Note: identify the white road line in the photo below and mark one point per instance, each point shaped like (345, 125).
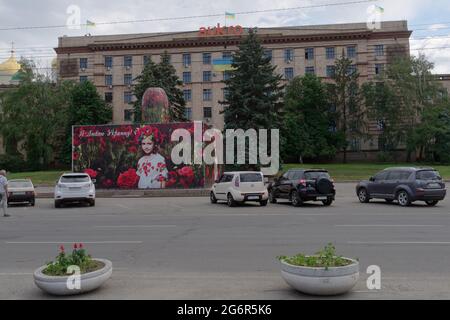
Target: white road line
(15, 274)
(399, 242)
(71, 242)
(387, 225)
(122, 206)
(142, 226)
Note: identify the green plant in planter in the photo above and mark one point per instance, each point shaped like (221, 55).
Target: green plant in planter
(325, 258)
(78, 257)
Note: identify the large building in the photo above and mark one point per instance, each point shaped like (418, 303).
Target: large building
(112, 62)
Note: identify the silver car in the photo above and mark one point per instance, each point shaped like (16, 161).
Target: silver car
(74, 187)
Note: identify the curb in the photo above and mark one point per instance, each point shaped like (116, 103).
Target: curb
(174, 193)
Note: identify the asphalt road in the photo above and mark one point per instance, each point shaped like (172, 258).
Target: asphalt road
(187, 248)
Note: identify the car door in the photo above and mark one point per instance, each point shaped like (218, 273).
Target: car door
(285, 184)
(394, 179)
(220, 188)
(376, 187)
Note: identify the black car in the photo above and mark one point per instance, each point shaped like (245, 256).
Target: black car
(301, 185)
(404, 185)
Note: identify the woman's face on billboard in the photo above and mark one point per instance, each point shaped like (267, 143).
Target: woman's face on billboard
(147, 145)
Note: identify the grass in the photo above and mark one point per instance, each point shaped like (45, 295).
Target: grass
(38, 177)
(360, 171)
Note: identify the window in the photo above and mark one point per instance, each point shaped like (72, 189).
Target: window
(207, 112)
(83, 78)
(331, 71)
(251, 177)
(289, 73)
(83, 63)
(398, 175)
(351, 52)
(108, 62)
(108, 97)
(128, 61)
(381, 176)
(310, 70)
(127, 97)
(379, 68)
(187, 95)
(381, 125)
(188, 113)
(207, 94)
(128, 114)
(379, 50)
(309, 53)
(315, 175)
(166, 58)
(207, 76)
(268, 54)
(352, 69)
(330, 53)
(186, 59)
(288, 55)
(226, 93)
(108, 80)
(187, 77)
(207, 58)
(332, 127)
(147, 59)
(428, 175)
(226, 75)
(227, 55)
(355, 145)
(127, 79)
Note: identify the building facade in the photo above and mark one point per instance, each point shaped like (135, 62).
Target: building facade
(112, 62)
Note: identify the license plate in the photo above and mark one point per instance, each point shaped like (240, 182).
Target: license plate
(253, 198)
(74, 188)
(321, 198)
(19, 193)
(434, 186)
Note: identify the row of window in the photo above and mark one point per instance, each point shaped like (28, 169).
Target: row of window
(330, 53)
(207, 113)
(330, 71)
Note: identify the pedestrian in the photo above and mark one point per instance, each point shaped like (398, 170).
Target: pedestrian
(3, 192)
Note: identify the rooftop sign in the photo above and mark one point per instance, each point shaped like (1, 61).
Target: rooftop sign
(221, 31)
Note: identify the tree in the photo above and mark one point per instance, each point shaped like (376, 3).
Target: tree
(307, 118)
(254, 93)
(85, 107)
(162, 75)
(346, 95)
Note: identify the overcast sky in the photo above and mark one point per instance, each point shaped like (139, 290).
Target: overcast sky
(428, 19)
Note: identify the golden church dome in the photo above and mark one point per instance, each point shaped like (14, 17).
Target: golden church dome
(10, 66)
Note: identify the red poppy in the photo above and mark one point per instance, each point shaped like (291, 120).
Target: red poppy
(75, 156)
(128, 179)
(75, 246)
(80, 246)
(132, 149)
(92, 173)
(108, 183)
(61, 248)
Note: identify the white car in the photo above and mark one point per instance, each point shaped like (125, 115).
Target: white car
(240, 187)
(74, 187)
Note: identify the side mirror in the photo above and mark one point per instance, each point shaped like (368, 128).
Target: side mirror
(372, 179)
(94, 181)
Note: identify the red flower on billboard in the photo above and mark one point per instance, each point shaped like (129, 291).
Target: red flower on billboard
(75, 156)
(108, 183)
(172, 180)
(148, 131)
(132, 149)
(186, 176)
(92, 173)
(128, 180)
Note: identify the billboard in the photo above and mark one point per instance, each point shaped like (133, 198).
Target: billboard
(135, 157)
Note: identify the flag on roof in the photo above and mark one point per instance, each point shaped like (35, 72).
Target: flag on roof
(229, 15)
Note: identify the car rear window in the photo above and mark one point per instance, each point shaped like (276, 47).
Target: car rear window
(20, 184)
(428, 175)
(251, 177)
(74, 179)
(315, 175)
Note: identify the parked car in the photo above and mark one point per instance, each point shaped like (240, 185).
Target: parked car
(404, 185)
(302, 185)
(21, 190)
(240, 187)
(75, 187)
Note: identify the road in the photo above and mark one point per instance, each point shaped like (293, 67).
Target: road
(187, 248)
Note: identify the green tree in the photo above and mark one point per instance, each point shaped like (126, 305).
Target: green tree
(254, 93)
(85, 107)
(162, 75)
(307, 120)
(346, 95)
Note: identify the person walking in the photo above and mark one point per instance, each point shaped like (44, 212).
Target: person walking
(3, 192)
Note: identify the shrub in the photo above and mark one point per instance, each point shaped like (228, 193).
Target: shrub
(14, 163)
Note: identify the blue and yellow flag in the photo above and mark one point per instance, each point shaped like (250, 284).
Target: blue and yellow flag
(229, 15)
(220, 65)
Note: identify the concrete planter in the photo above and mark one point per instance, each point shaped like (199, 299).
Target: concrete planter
(321, 282)
(58, 285)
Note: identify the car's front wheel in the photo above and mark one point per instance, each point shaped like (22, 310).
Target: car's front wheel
(403, 198)
(32, 202)
(272, 198)
(263, 203)
(212, 197)
(92, 203)
(57, 204)
(363, 196)
(295, 199)
(431, 203)
(327, 202)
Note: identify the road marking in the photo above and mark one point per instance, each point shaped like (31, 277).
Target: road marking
(387, 225)
(122, 206)
(399, 242)
(141, 226)
(71, 242)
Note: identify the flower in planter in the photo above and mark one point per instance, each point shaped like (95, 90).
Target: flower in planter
(78, 257)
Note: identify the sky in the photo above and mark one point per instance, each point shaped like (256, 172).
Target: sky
(429, 20)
